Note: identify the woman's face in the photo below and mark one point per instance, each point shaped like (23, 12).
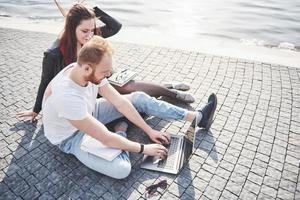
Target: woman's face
(85, 31)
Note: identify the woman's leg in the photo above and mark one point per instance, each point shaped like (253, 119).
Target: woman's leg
(155, 90)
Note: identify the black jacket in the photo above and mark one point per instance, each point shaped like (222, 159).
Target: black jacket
(53, 58)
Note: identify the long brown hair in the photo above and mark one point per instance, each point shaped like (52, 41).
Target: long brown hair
(68, 40)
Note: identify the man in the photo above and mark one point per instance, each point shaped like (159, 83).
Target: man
(71, 110)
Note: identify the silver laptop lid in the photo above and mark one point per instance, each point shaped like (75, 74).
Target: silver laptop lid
(192, 130)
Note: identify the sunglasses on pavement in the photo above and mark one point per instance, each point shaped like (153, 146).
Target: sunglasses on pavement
(153, 188)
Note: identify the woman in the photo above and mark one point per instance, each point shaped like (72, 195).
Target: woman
(80, 26)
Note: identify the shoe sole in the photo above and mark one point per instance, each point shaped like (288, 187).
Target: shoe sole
(208, 125)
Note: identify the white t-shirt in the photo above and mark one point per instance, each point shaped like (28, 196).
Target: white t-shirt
(65, 100)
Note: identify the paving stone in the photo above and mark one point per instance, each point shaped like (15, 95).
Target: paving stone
(4, 152)
(31, 180)
(227, 165)
(41, 173)
(3, 164)
(268, 191)
(241, 169)
(212, 193)
(3, 188)
(98, 189)
(252, 187)
(184, 182)
(246, 195)
(228, 195)
(275, 164)
(176, 189)
(31, 193)
(75, 192)
(63, 197)
(168, 196)
(274, 173)
(292, 160)
(255, 178)
(291, 168)
(248, 153)
(117, 189)
(131, 194)
(257, 169)
(46, 196)
(186, 196)
(204, 175)
(44, 185)
(8, 195)
(217, 182)
(139, 187)
(245, 161)
(222, 173)
(271, 182)
(284, 194)
(193, 192)
(262, 157)
(230, 158)
(262, 196)
(88, 195)
(194, 165)
(199, 184)
(288, 185)
(233, 187)
(209, 168)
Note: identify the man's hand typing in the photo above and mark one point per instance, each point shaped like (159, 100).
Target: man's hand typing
(155, 150)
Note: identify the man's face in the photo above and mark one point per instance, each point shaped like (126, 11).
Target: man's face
(85, 31)
(102, 70)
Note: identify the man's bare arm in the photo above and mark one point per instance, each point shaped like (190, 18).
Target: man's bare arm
(125, 107)
(97, 130)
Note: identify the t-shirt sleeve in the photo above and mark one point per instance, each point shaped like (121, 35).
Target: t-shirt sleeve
(72, 107)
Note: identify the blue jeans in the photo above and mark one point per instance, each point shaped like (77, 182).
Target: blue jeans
(105, 112)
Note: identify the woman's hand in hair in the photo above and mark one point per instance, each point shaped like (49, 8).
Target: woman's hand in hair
(60, 8)
(28, 115)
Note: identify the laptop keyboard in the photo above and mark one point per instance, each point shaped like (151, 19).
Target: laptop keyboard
(168, 163)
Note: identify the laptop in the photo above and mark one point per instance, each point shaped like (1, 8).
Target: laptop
(180, 149)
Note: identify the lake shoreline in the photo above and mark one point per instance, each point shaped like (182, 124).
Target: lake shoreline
(146, 37)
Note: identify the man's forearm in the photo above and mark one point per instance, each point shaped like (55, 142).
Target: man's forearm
(98, 131)
(119, 142)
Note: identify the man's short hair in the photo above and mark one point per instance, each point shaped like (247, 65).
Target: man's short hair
(92, 52)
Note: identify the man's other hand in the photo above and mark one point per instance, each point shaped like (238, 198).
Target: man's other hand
(160, 137)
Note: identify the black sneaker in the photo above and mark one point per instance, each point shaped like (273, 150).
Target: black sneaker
(208, 112)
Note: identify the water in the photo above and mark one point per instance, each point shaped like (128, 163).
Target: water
(269, 23)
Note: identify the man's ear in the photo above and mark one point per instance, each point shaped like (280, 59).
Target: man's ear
(87, 68)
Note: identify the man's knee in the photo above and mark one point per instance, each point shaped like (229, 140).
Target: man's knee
(139, 96)
(121, 170)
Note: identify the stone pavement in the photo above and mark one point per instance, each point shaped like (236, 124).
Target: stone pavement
(251, 152)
